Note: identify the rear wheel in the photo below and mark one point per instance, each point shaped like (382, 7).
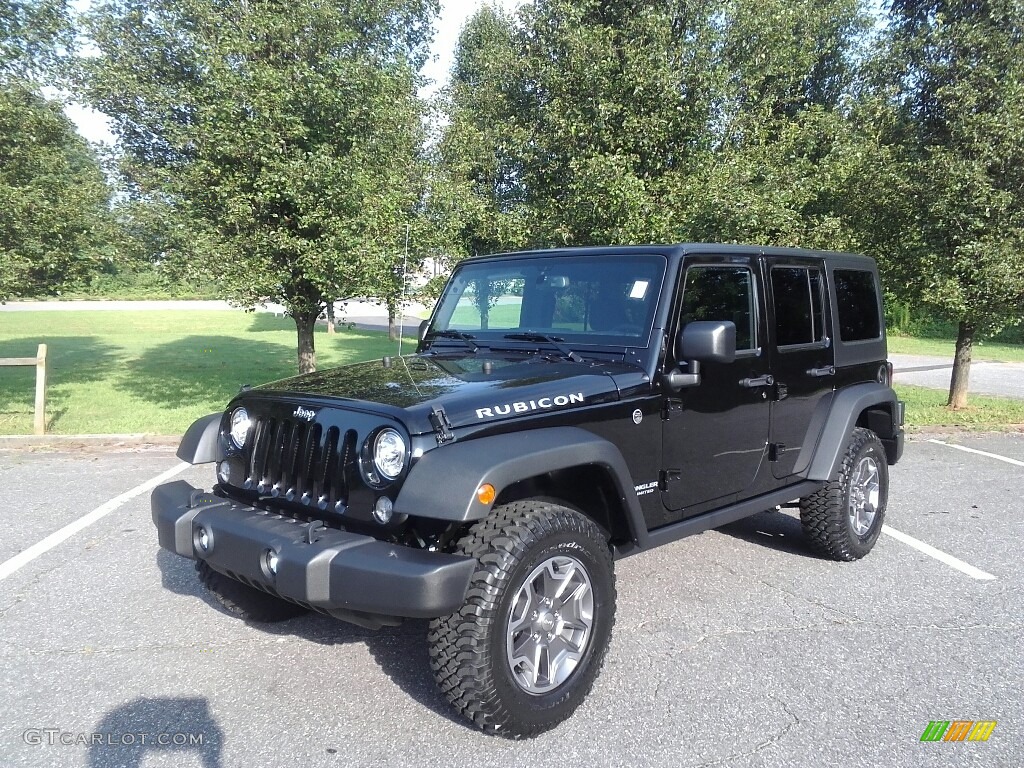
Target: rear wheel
(522, 653)
(244, 601)
(843, 519)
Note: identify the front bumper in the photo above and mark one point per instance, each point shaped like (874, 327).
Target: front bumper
(351, 576)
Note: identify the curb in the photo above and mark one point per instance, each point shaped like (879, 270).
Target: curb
(106, 441)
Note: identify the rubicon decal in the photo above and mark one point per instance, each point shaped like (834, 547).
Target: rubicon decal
(525, 406)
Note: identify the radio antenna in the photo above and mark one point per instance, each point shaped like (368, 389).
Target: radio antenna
(401, 308)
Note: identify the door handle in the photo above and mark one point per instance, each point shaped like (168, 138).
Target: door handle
(828, 370)
(760, 381)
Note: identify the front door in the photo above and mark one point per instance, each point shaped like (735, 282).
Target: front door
(715, 433)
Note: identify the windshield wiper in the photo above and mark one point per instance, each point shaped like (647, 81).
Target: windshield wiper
(552, 340)
(448, 334)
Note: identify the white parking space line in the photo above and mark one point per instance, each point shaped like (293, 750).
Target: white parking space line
(58, 537)
(942, 557)
(965, 449)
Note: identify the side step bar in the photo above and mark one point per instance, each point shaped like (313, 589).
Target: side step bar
(707, 521)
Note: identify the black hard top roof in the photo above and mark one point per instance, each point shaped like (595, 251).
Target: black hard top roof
(683, 249)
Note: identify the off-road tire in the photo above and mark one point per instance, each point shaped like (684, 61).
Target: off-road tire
(468, 648)
(243, 601)
(825, 514)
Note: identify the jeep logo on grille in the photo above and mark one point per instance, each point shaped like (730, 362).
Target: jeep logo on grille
(304, 413)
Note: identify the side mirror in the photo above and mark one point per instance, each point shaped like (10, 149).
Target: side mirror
(423, 329)
(701, 341)
(708, 341)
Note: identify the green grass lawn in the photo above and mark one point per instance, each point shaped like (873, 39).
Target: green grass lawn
(927, 408)
(985, 350)
(153, 372)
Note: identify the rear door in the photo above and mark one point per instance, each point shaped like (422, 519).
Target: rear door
(803, 358)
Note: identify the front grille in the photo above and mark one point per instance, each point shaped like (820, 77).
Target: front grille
(300, 462)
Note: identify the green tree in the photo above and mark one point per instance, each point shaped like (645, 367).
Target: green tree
(34, 37)
(946, 177)
(56, 226)
(619, 102)
(780, 149)
(596, 122)
(476, 202)
(288, 133)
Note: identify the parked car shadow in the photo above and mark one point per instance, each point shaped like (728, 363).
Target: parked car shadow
(178, 575)
(130, 732)
(400, 652)
(771, 529)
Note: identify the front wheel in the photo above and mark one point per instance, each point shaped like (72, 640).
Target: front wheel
(844, 518)
(523, 651)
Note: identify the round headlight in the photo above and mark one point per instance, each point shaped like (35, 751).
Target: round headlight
(239, 427)
(389, 454)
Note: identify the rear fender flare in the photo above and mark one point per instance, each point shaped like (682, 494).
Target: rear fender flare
(847, 407)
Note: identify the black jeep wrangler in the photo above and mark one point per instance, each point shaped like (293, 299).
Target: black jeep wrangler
(564, 408)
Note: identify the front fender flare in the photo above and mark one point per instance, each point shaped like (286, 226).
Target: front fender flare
(442, 485)
(201, 443)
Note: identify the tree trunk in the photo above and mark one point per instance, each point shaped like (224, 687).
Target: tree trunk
(305, 323)
(392, 325)
(330, 317)
(961, 367)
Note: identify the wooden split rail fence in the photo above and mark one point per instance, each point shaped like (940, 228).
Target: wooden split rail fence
(39, 361)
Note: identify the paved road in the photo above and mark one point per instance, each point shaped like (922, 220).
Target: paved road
(733, 648)
(986, 377)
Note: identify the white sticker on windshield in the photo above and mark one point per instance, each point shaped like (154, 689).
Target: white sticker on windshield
(639, 289)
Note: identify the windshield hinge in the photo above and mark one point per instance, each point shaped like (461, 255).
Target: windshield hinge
(442, 427)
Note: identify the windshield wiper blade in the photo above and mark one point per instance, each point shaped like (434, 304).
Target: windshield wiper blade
(552, 340)
(449, 334)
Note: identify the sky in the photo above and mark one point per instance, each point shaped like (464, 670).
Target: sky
(454, 13)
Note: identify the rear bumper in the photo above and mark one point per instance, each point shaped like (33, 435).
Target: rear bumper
(351, 576)
(894, 445)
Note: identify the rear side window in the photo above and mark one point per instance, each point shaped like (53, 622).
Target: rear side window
(721, 293)
(857, 305)
(796, 292)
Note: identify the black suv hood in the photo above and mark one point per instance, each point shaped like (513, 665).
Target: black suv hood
(473, 390)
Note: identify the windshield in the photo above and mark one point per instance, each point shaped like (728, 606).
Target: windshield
(598, 300)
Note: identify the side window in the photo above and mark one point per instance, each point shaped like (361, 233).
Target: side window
(796, 292)
(857, 304)
(722, 293)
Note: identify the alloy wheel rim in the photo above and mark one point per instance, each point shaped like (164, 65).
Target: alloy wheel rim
(550, 624)
(864, 495)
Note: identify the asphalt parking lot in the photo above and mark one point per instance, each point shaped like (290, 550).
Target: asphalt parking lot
(732, 648)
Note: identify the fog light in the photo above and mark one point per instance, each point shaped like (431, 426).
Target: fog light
(224, 472)
(270, 560)
(383, 510)
(204, 540)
